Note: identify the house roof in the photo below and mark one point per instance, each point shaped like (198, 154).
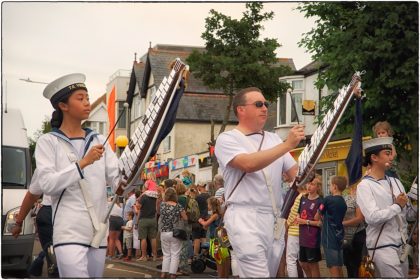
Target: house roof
(136, 78)
(98, 101)
(203, 108)
(311, 68)
(139, 72)
(287, 62)
(161, 56)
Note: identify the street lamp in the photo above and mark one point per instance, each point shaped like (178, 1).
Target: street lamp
(28, 80)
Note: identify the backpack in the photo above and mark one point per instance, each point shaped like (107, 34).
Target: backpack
(193, 212)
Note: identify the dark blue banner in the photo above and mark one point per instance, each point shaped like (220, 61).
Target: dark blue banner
(354, 158)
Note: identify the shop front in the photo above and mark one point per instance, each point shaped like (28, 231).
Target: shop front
(332, 161)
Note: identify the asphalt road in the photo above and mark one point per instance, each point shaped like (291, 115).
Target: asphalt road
(120, 269)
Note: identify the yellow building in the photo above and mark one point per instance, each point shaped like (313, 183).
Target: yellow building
(332, 161)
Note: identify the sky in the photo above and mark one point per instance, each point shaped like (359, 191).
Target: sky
(45, 40)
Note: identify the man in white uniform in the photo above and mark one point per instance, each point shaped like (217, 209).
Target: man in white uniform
(382, 201)
(250, 217)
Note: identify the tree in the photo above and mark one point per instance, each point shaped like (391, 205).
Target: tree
(45, 128)
(381, 38)
(235, 57)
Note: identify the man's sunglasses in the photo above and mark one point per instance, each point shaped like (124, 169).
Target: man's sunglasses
(258, 104)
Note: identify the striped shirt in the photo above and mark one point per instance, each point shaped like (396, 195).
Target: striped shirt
(293, 227)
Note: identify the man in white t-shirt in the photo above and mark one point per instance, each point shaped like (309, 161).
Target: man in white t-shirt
(250, 217)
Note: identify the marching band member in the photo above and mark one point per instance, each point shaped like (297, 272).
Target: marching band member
(60, 168)
(250, 219)
(43, 221)
(382, 201)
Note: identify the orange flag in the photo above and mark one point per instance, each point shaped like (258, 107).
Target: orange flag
(111, 116)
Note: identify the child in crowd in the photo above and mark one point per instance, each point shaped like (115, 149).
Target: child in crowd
(128, 235)
(150, 183)
(384, 129)
(187, 178)
(309, 232)
(333, 211)
(292, 247)
(218, 253)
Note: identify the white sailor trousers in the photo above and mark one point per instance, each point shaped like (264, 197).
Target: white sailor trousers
(77, 261)
(387, 263)
(251, 234)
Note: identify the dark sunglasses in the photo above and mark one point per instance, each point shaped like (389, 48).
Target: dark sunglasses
(259, 104)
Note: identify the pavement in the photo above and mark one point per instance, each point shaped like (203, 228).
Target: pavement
(208, 273)
(152, 267)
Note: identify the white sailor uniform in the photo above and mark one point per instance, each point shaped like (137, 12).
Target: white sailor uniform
(59, 177)
(249, 217)
(376, 203)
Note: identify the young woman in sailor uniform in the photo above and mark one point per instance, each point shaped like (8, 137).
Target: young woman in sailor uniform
(65, 156)
(383, 203)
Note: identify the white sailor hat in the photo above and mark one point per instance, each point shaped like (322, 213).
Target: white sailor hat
(377, 144)
(61, 87)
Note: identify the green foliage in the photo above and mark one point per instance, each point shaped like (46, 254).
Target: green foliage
(236, 57)
(381, 38)
(45, 128)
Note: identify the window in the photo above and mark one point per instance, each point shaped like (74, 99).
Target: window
(297, 84)
(326, 170)
(136, 109)
(287, 115)
(282, 109)
(122, 122)
(13, 167)
(167, 144)
(297, 100)
(101, 128)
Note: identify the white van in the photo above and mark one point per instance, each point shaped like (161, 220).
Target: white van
(15, 179)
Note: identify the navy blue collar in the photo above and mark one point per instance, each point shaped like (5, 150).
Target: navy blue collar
(86, 129)
(89, 136)
(371, 178)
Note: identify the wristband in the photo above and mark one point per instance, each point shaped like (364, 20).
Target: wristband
(307, 222)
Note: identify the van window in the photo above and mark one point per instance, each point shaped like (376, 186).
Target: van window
(13, 167)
